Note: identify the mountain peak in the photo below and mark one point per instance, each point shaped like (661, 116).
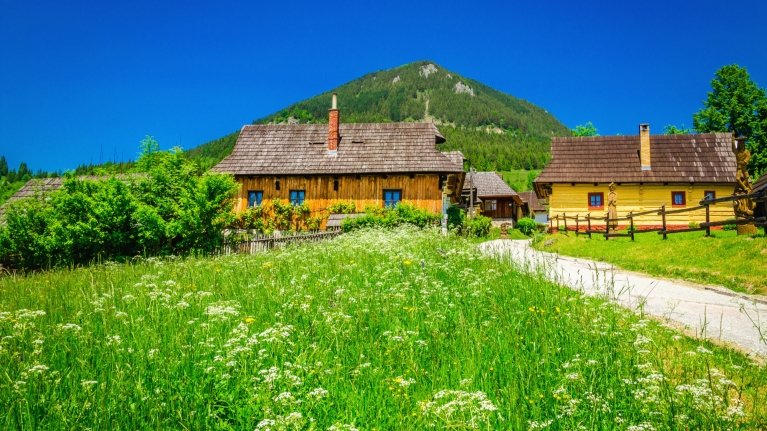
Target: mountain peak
(424, 91)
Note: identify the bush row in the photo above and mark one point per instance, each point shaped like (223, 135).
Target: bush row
(168, 209)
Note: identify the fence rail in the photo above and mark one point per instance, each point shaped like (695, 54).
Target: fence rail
(760, 196)
(254, 243)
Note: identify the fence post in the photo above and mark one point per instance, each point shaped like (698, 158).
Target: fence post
(551, 230)
(631, 218)
(577, 225)
(708, 228)
(588, 221)
(564, 217)
(663, 212)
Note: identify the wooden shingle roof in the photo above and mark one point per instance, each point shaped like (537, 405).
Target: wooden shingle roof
(532, 201)
(760, 183)
(456, 157)
(301, 149)
(674, 158)
(489, 185)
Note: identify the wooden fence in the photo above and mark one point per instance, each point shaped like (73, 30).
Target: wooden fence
(759, 197)
(260, 242)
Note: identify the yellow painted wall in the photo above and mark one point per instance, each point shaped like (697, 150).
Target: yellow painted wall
(566, 198)
(421, 190)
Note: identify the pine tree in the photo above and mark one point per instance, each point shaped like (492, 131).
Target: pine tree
(3, 167)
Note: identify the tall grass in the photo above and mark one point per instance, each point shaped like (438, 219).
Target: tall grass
(374, 330)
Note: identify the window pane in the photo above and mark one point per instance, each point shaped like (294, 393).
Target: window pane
(259, 198)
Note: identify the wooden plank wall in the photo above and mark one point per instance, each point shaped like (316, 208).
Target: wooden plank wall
(506, 208)
(422, 190)
(634, 197)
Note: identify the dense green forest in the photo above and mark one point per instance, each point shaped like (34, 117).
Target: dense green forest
(494, 130)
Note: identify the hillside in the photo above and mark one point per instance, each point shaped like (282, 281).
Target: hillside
(494, 130)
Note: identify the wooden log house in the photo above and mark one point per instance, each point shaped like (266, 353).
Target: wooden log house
(650, 171)
(377, 164)
(496, 199)
(533, 207)
(759, 185)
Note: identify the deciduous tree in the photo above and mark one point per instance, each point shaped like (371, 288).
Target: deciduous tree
(587, 129)
(736, 104)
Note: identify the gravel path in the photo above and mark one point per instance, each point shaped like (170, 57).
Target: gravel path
(715, 313)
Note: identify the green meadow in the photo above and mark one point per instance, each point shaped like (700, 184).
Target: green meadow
(374, 330)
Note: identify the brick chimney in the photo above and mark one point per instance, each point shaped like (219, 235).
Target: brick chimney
(644, 146)
(333, 126)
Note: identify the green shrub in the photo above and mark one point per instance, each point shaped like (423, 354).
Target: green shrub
(168, 210)
(342, 207)
(403, 213)
(693, 225)
(455, 217)
(526, 225)
(478, 226)
(729, 227)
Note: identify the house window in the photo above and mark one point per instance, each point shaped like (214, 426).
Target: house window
(255, 197)
(297, 197)
(709, 194)
(678, 199)
(491, 205)
(596, 201)
(392, 198)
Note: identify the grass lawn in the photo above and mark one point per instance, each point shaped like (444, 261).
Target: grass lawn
(723, 259)
(373, 330)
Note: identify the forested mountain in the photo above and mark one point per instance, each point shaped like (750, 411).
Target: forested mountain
(495, 130)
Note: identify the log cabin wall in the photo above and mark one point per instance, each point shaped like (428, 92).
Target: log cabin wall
(574, 199)
(422, 190)
(505, 208)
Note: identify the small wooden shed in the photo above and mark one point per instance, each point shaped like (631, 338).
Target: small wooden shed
(498, 201)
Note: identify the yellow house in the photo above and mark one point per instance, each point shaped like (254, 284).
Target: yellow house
(650, 171)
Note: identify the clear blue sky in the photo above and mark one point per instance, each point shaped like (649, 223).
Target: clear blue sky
(82, 79)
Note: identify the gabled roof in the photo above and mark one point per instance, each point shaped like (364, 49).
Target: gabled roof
(456, 157)
(760, 183)
(301, 149)
(532, 201)
(489, 185)
(704, 158)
